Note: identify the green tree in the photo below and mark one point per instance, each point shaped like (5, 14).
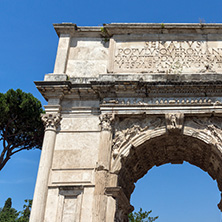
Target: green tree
(7, 213)
(21, 127)
(25, 214)
(141, 216)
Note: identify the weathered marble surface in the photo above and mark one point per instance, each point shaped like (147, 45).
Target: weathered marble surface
(87, 57)
(143, 48)
(121, 100)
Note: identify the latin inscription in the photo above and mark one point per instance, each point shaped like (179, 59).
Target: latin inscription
(168, 57)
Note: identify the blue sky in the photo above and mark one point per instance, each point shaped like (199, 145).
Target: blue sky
(28, 42)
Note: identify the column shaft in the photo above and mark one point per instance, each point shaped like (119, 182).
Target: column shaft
(41, 188)
(104, 157)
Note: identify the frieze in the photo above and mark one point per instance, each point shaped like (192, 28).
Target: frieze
(170, 57)
(162, 101)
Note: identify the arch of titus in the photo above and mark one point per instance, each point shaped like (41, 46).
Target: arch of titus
(122, 99)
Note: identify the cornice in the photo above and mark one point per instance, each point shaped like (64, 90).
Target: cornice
(77, 31)
(163, 28)
(117, 85)
(53, 89)
(137, 28)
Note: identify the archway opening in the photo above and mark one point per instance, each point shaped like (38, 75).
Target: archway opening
(175, 148)
(178, 192)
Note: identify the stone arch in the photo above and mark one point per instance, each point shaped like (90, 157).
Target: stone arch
(162, 111)
(154, 143)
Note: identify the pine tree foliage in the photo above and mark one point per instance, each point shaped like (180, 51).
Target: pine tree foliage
(141, 216)
(25, 214)
(21, 127)
(7, 213)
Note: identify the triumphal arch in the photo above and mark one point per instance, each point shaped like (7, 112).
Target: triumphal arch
(122, 99)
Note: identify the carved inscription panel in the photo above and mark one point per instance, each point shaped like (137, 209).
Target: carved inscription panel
(170, 57)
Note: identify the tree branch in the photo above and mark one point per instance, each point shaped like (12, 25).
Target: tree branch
(10, 121)
(23, 148)
(17, 145)
(5, 148)
(4, 161)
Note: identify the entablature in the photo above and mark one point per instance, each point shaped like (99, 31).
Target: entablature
(151, 94)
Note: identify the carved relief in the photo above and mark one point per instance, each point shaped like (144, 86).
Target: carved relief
(213, 126)
(174, 121)
(51, 120)
(106, 121)
(128, 128)
(163, 101)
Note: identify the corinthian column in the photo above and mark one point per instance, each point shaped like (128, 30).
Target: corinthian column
(104, 157)
(51, 121)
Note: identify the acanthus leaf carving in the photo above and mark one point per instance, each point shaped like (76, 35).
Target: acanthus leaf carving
(51, 120)
(106, 121)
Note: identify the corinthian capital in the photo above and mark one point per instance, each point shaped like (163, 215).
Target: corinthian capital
(106, 121)
(51, 120)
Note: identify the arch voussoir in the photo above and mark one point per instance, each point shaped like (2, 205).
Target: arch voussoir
(198, 143)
